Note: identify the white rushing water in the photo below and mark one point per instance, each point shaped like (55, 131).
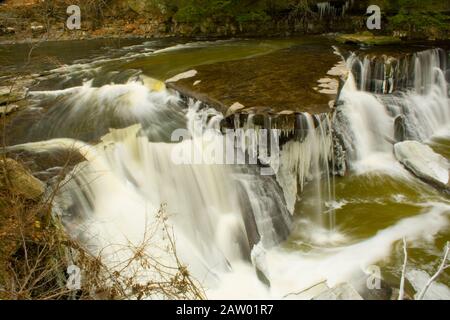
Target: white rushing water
(229, 220)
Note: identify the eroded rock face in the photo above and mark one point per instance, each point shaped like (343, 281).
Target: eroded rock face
(19, 181)
(423, 162)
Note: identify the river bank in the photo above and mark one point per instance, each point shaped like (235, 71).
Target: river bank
(33, 21)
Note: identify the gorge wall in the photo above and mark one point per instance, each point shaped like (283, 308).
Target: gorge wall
(155, 18)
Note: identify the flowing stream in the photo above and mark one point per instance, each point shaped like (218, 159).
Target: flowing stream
(302, 225)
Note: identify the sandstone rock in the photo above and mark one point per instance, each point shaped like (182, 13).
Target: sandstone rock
(20, 181)
(423, 162)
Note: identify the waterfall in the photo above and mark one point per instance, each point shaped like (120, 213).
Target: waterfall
(218, 212)
(387, 100)
(307, 159)
(306, 155)
(386, 74)
(328, 9)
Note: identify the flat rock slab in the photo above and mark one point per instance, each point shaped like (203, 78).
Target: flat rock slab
(423, 162)
(368, 39)
(282, 80)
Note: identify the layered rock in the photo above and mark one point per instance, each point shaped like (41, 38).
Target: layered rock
(424, 163)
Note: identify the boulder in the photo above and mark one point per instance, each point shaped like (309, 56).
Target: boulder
(368, 39)
(19, 181)
(424, 163)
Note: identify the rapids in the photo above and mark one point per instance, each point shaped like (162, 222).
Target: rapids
(300, 226)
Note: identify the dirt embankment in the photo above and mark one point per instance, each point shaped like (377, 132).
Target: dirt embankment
(32, 20)
(22, 20)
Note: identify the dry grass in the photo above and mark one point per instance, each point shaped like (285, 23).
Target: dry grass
(35, 253)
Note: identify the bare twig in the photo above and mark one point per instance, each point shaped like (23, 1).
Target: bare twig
(402, 281)
(441, 268)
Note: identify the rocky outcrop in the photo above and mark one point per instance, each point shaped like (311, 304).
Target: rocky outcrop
(367, 38)
(16, 179)
(424, 163)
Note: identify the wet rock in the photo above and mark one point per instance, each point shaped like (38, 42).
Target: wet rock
(424, 163)
(19, 181)
(401, 129)
(367, 38)
(419, 279)
(186, 93)
(269, 80)
(235, 107)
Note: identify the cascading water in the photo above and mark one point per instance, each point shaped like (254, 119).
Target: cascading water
(414, 106)
(387, 74)
(219, 212)
(307, 159)
(229, 220)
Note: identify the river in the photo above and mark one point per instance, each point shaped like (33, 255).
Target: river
(242, 233)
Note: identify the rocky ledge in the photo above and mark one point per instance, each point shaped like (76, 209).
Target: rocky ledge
(424, 163)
